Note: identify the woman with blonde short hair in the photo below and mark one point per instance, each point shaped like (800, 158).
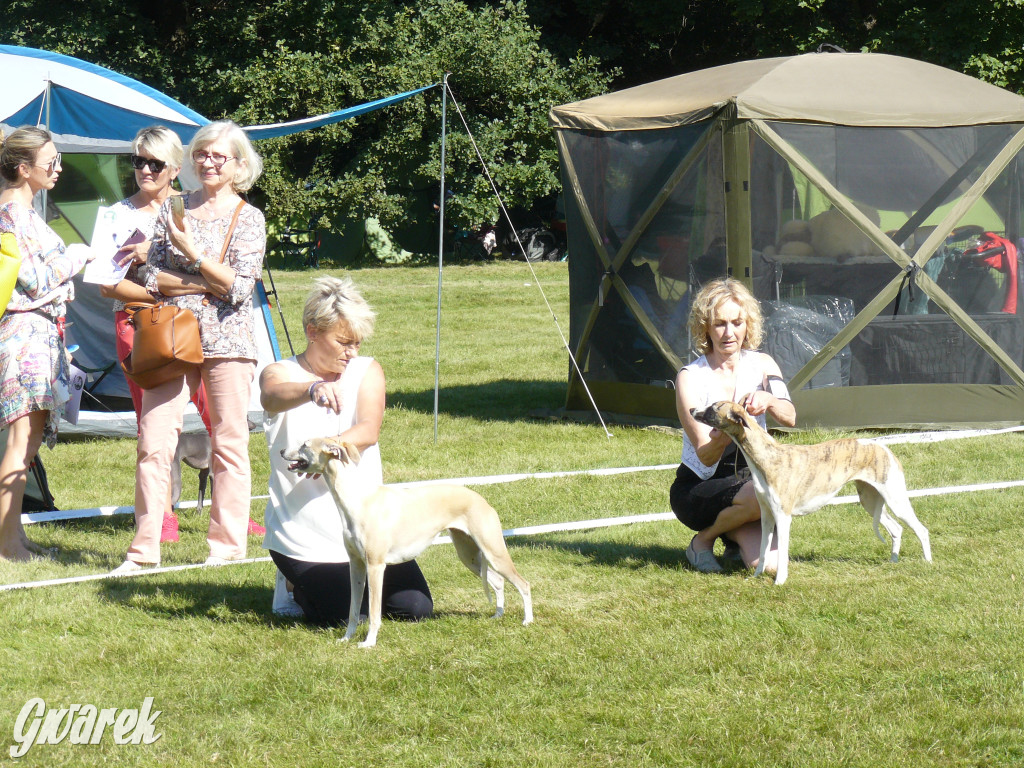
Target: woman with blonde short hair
(328, 390)
(713, 493)
(208, 262)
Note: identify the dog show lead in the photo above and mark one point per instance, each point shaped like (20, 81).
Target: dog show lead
(328, 390)
(713, 493)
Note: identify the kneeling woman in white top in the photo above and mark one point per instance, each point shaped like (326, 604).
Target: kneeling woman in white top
(328, 391)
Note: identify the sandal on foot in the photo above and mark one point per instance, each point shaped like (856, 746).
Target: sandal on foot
(704, 562)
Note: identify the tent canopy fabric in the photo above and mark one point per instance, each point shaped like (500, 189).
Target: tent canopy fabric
(855, 89)
(92, 109)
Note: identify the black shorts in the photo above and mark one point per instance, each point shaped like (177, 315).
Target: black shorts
(697, 502)
(324, 590)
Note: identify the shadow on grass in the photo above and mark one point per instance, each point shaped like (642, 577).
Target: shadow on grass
(504, 400)
(635, 557)
(631, 556)
(177, 599)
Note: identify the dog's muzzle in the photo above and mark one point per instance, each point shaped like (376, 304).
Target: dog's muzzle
(295, 465)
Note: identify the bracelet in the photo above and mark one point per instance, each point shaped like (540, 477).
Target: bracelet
(311, 388)
(197, 264)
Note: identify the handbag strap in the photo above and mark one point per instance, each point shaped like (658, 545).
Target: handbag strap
(231, 231)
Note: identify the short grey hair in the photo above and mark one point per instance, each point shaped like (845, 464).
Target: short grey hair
(250, 166)
(333, 299)
(162, 143)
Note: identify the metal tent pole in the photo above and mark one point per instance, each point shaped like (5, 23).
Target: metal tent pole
(440, 250)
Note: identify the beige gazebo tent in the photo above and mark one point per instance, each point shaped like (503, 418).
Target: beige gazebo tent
(872, 202)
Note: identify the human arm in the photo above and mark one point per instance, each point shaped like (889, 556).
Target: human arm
(126, 291)
(216, 278)
(46, 266)
(233, 278)
(369, 410)
(766, 401)
(709, 443)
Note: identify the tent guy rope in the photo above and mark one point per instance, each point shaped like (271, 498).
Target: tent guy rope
(504, 211)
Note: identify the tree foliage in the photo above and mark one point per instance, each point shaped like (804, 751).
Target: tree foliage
(510, 62)
(287, 59)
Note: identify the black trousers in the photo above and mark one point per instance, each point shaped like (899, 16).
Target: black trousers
(324, 590)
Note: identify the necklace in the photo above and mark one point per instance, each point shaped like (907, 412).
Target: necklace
(304, 363)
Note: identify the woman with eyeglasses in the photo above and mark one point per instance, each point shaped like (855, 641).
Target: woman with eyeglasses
(207, 262)
(328, 390)
(35, 380)
(156, 158)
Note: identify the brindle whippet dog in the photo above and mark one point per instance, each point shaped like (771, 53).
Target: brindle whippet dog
(383, 526)
(799, 479)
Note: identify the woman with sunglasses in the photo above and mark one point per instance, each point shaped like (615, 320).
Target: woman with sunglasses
(156, 157)
(207, 262)
(34, 375)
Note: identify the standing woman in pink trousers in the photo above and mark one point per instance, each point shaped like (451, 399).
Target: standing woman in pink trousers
(186, 269)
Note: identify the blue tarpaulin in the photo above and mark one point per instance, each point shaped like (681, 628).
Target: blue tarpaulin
(89, 108)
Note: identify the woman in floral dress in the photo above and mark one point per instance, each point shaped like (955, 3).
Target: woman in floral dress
(34, 372)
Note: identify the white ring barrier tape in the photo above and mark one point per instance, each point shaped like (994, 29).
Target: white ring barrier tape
(909, 437)
(530, 530)
(75, 514)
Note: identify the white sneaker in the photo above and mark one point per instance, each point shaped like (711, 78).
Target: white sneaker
(284, 601)
(129, 567)
(211, 560)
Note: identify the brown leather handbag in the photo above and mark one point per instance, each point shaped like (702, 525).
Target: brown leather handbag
(167, 340)
(166, 344)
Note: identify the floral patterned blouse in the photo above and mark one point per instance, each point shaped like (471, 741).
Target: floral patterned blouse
(226, 324)
(44, 279)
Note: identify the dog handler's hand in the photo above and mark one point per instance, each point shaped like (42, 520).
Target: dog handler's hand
(756, 403)
(327, 394)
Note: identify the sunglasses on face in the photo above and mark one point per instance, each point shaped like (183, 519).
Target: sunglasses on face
(156, 166)
(52, 165)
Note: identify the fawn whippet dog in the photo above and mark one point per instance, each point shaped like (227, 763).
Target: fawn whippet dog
(799, 479)
(383, 526)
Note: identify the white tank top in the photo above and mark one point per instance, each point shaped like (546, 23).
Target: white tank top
(749, 378)
(301, 518)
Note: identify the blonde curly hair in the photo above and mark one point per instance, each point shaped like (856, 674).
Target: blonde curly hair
(706, 304)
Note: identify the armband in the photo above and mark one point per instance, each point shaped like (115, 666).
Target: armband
(777, 387)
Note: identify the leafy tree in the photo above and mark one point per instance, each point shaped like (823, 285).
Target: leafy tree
(287, 59)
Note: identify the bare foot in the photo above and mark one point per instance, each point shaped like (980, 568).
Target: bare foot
(36, 549)
(15, 552)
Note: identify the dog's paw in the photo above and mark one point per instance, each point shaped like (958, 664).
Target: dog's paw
(368, 644)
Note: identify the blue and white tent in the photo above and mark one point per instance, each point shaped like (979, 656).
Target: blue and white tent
(90, 109)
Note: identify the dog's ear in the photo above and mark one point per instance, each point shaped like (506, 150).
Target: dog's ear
(335, 450)
(735, 414)
(352, 452)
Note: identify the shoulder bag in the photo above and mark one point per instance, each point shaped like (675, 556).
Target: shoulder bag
(167, 340)
(10, 263)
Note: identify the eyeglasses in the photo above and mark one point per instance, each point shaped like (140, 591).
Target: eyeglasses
(51, 166)
(156, 166)
(200, 157)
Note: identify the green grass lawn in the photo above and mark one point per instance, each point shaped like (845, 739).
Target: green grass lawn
(633, 660)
